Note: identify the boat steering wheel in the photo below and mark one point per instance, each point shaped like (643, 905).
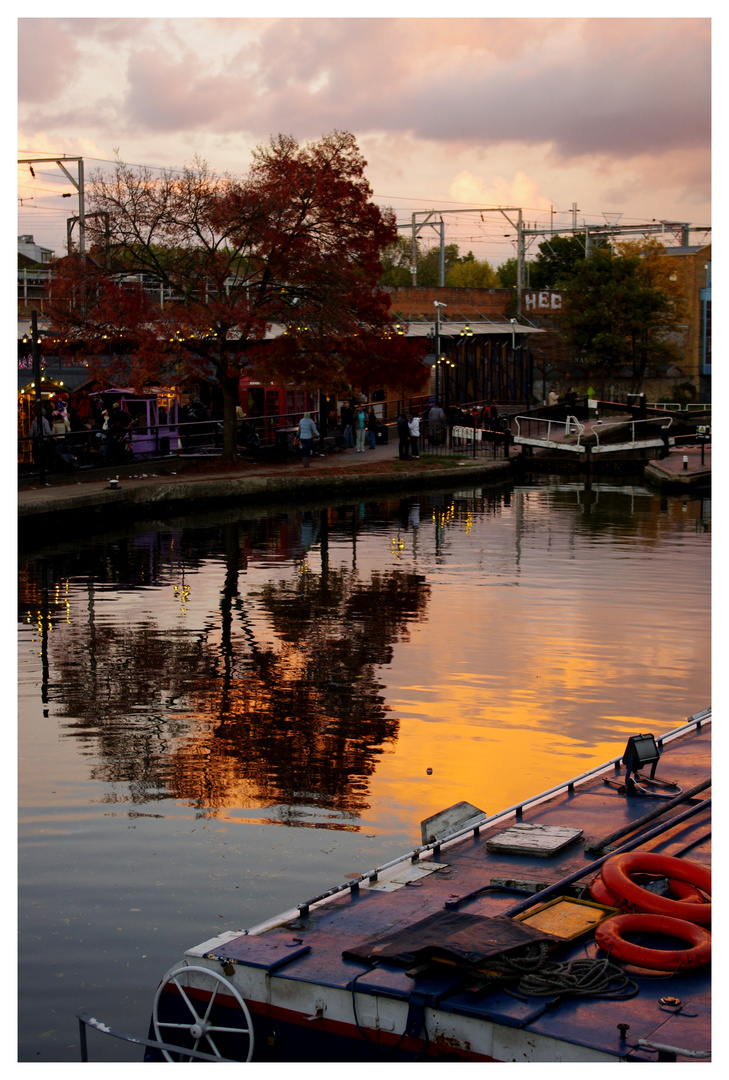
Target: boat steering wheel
(200, 1025)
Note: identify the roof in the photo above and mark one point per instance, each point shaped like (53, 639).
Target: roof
(56, 375)
(457, 329)
(426, 329)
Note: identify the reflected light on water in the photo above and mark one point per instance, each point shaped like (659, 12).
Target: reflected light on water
(221, 718)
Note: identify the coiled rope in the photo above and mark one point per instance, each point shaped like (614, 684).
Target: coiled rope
(532, 975)
(576, 978)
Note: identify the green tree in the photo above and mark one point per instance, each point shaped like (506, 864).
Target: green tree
(620, 308)
(558, 260)
(429, 264)
(506, 274)
(397, 264)
(471, 273)
(460, 271)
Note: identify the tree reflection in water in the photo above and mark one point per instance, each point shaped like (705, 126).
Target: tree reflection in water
(216, 718)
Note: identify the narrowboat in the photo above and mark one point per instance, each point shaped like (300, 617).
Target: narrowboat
(147, 435)
(572, 927)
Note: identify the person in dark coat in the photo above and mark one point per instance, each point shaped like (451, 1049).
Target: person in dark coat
(119, 445)
(42, 439)
(371, 428)
(403, 434)
(348, 424)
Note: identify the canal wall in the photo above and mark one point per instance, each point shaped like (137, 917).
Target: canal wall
(74, 506)
(87, 507)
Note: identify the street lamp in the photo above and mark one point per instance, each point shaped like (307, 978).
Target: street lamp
(437, 305)
(513, 324)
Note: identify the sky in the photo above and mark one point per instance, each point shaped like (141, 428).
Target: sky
(611, 116)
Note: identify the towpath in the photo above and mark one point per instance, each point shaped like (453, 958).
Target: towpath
(185, 483)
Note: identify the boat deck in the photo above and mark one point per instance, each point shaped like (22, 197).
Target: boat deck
(350, 972)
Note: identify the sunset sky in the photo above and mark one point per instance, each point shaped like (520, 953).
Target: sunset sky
(450, 113)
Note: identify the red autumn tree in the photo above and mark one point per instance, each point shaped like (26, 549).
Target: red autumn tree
(188, 271)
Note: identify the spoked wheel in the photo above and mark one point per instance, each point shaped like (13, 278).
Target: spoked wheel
(197, 1014)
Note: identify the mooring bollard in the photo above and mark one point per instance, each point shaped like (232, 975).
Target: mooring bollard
(685, 461)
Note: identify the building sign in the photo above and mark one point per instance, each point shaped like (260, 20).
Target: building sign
(541, 302)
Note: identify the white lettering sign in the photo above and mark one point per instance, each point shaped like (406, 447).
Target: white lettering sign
(542, 301)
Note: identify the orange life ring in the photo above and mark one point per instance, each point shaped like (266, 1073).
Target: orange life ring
(680, 890)
(616, 877)
(610, 937)
(601, 894)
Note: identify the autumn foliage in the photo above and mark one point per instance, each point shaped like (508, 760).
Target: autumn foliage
(275, 274)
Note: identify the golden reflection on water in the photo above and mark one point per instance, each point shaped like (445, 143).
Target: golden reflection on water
(311, 669)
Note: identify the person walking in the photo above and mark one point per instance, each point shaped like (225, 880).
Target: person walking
(414, 429)
(307, 433)
(360, 425)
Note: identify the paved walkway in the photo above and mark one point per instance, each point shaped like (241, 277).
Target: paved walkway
(186, 481)
(189, 467)
(682, 466)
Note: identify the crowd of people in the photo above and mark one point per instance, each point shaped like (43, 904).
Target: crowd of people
(88, 429)
(361, 429)
(70, 435)
(359, 426)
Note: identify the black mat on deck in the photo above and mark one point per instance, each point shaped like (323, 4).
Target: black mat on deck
(449, 936)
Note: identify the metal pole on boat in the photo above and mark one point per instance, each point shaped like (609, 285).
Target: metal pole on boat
(555, 889)
(600, 845)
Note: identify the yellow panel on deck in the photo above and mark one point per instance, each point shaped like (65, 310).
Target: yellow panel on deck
(565, 917)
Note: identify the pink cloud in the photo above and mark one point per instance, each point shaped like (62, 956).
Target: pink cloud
(617, 105)
(47, 53)
(584, 87)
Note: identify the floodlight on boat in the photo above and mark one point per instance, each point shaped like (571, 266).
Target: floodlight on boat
(640, 752)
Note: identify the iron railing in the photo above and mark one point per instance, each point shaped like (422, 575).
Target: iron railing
(458, 439)
(259, 437)
(85, 1020)
(651, 431)
(543, 431)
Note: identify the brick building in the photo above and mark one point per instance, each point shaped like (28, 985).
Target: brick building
(482, 351)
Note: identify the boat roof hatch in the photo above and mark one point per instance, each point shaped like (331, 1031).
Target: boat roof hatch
(541, 840)
(450, 821)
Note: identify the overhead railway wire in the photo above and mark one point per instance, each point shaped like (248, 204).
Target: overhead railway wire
(489, 244)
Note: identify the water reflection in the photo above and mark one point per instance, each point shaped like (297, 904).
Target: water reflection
(226, 716)
(187, 689)
(239, 664)
(303, 722)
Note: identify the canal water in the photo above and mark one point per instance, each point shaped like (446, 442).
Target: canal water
(223, 716)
